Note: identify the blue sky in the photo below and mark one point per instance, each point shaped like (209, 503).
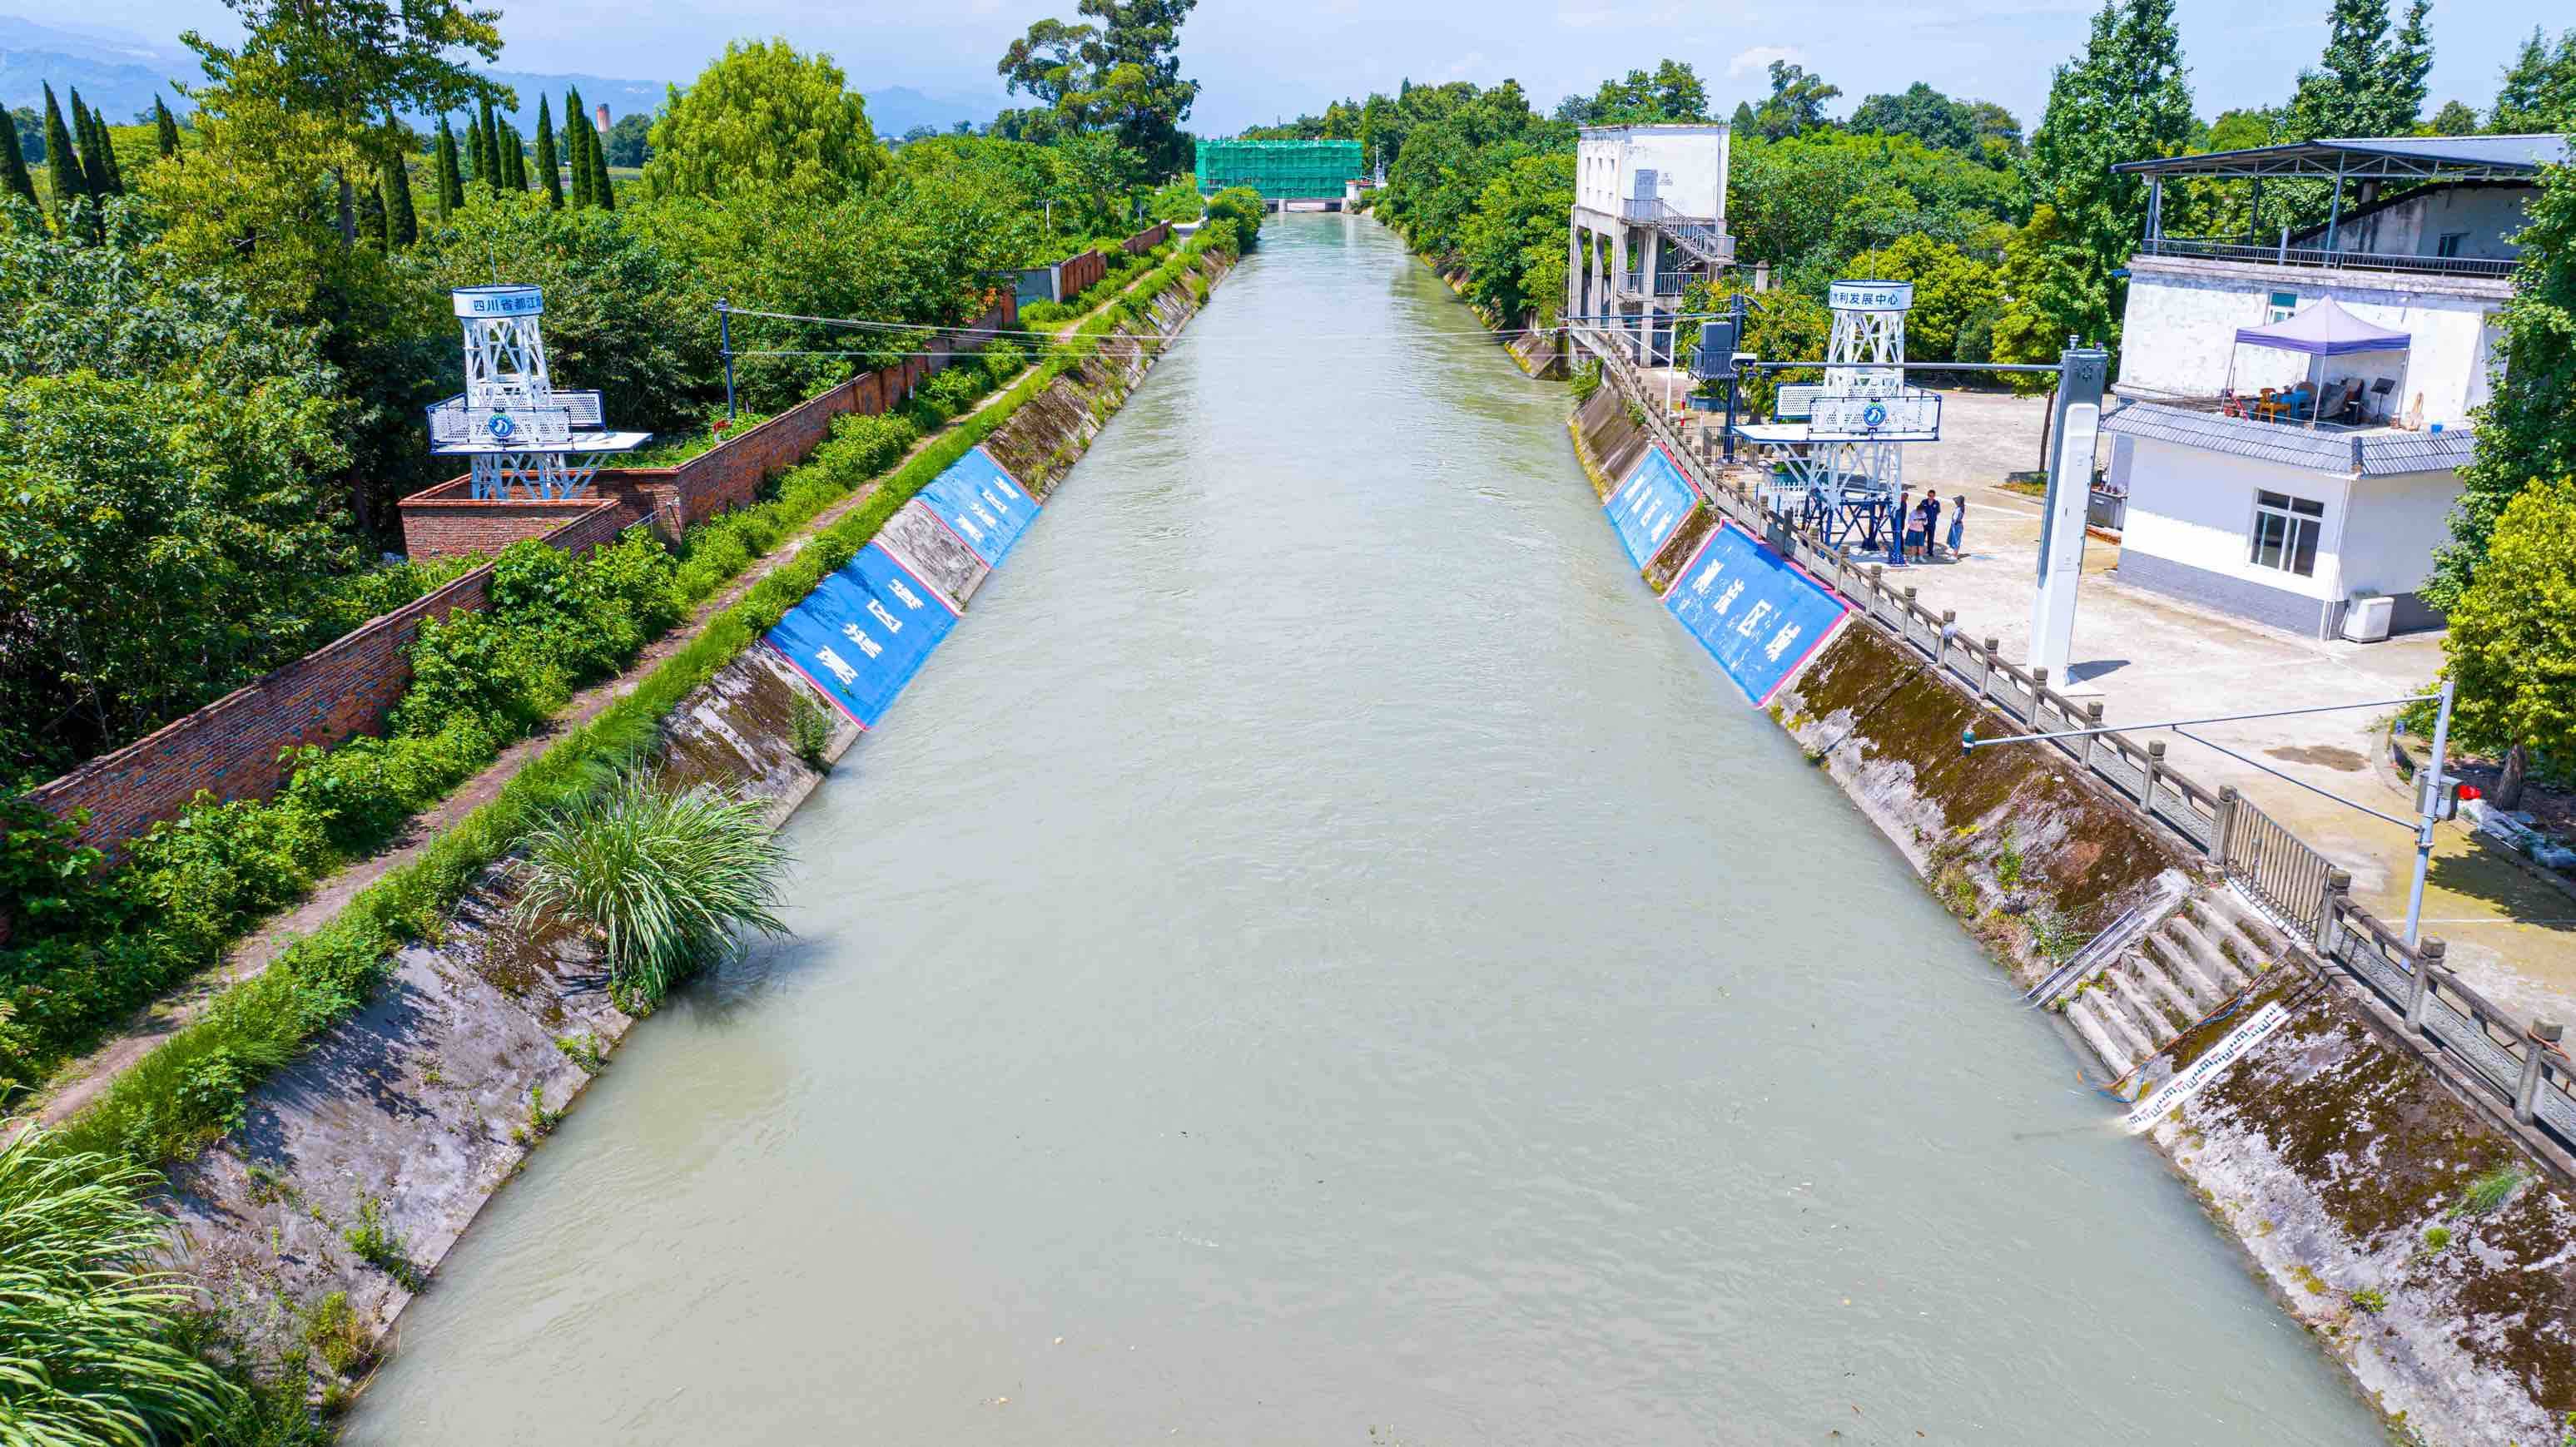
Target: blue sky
(1259, 60)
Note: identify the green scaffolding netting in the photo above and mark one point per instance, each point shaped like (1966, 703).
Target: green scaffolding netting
(1279, 170)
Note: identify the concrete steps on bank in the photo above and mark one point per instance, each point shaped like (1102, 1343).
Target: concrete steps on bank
(2158, 981)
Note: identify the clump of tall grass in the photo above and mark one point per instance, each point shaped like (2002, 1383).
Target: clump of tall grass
(661, 877)
(2487, 1193)
(86, 1321)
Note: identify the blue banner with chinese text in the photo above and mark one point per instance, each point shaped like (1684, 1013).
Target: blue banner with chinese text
(1757, 613)
(982, 505)
(864, 632)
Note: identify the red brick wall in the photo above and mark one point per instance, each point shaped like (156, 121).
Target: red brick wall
(1147, 239)
(347, 687)
(230, 747)
(1078, 274)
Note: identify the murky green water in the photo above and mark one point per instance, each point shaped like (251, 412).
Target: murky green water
(1319, 951)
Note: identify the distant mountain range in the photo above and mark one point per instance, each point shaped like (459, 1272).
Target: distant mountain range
(120, 73)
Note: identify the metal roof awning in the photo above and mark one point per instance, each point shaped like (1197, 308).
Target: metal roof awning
(2351, 454)
(2459, 158)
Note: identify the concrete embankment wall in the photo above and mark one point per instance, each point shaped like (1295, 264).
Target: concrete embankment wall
(2334, 1153)
(416, 1110)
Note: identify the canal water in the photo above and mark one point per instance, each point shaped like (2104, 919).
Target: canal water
(1319, 953)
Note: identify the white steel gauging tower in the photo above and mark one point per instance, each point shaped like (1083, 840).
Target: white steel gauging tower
(1835, 447)
(525, 438)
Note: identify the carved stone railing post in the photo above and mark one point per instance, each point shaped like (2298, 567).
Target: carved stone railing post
(2539, 1040)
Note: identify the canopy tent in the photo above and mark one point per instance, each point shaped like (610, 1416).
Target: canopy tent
(2321, 331)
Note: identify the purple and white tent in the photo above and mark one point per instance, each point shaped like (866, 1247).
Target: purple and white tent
(2323, 330)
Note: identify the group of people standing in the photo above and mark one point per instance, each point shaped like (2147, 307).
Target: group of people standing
(1914, 531)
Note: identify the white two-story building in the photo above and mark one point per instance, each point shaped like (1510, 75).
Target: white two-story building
(1649, 216)
(2296, 407)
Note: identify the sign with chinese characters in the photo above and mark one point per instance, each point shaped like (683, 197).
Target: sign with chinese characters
(1891, 415)
(1870, 296)
(982, 505)
(498, 301)
(864, 632)
(1649, 506)
(1757, 613)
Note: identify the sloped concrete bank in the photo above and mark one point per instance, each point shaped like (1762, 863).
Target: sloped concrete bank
(357, 1168)
(2338, 1159)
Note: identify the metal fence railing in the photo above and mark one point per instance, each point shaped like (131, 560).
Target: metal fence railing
(2520, 1064)
(2213, 248)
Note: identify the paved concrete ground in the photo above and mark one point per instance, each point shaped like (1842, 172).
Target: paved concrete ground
(2511, 934)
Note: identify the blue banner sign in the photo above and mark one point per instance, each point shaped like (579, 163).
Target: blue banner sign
(1649, 506)
(863, 634)
(982, 505)
(1759, 614)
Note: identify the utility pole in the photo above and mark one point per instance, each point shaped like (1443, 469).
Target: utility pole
(2075, 423)
(724, 345)
(2429, 804)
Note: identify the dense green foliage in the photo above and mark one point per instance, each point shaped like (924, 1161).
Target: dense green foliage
(2511, 648)
(661, 877)
(88, 945)
(2526, 431)
(2539, 89)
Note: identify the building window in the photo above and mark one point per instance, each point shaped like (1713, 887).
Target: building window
(2450, 243)
(2285, 533)
(2285, 304)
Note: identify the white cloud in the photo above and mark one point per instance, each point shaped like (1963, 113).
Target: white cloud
(1467, 65)
(1759, 58)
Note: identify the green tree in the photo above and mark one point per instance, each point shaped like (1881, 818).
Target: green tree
(1673, 91)
(165, 130)
(1122, 73)
(629, 142)
(2539, 90)
(2511, 648)
(2526, 431)
(487, 146)
(1921, 112)
(402, 223)
(1951, 290)
(62, 169)
(2123, 99)
(549, 165)
(451, 182)
(763, 117)
(577, 135)
(2455, 118)
(1797, 102)
(347, 67)
(514, 159)
(1514, 241)
(13, 175)
(603, 191)
(2367, 83)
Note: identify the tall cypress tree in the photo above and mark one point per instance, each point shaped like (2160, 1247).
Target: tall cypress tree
(2364, 85)
(451, 184)
(105, 178)
(167, 128)
(601, 191)
(487, 136)
(576, 131)
(86, 172)
(13, 170)
(402, 223)
(62, 170)
(514, 158)
(549, 165)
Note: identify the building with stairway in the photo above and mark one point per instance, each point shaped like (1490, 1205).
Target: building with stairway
(1649, 218)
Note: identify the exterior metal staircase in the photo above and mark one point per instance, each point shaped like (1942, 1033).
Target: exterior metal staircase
(1705, 239)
